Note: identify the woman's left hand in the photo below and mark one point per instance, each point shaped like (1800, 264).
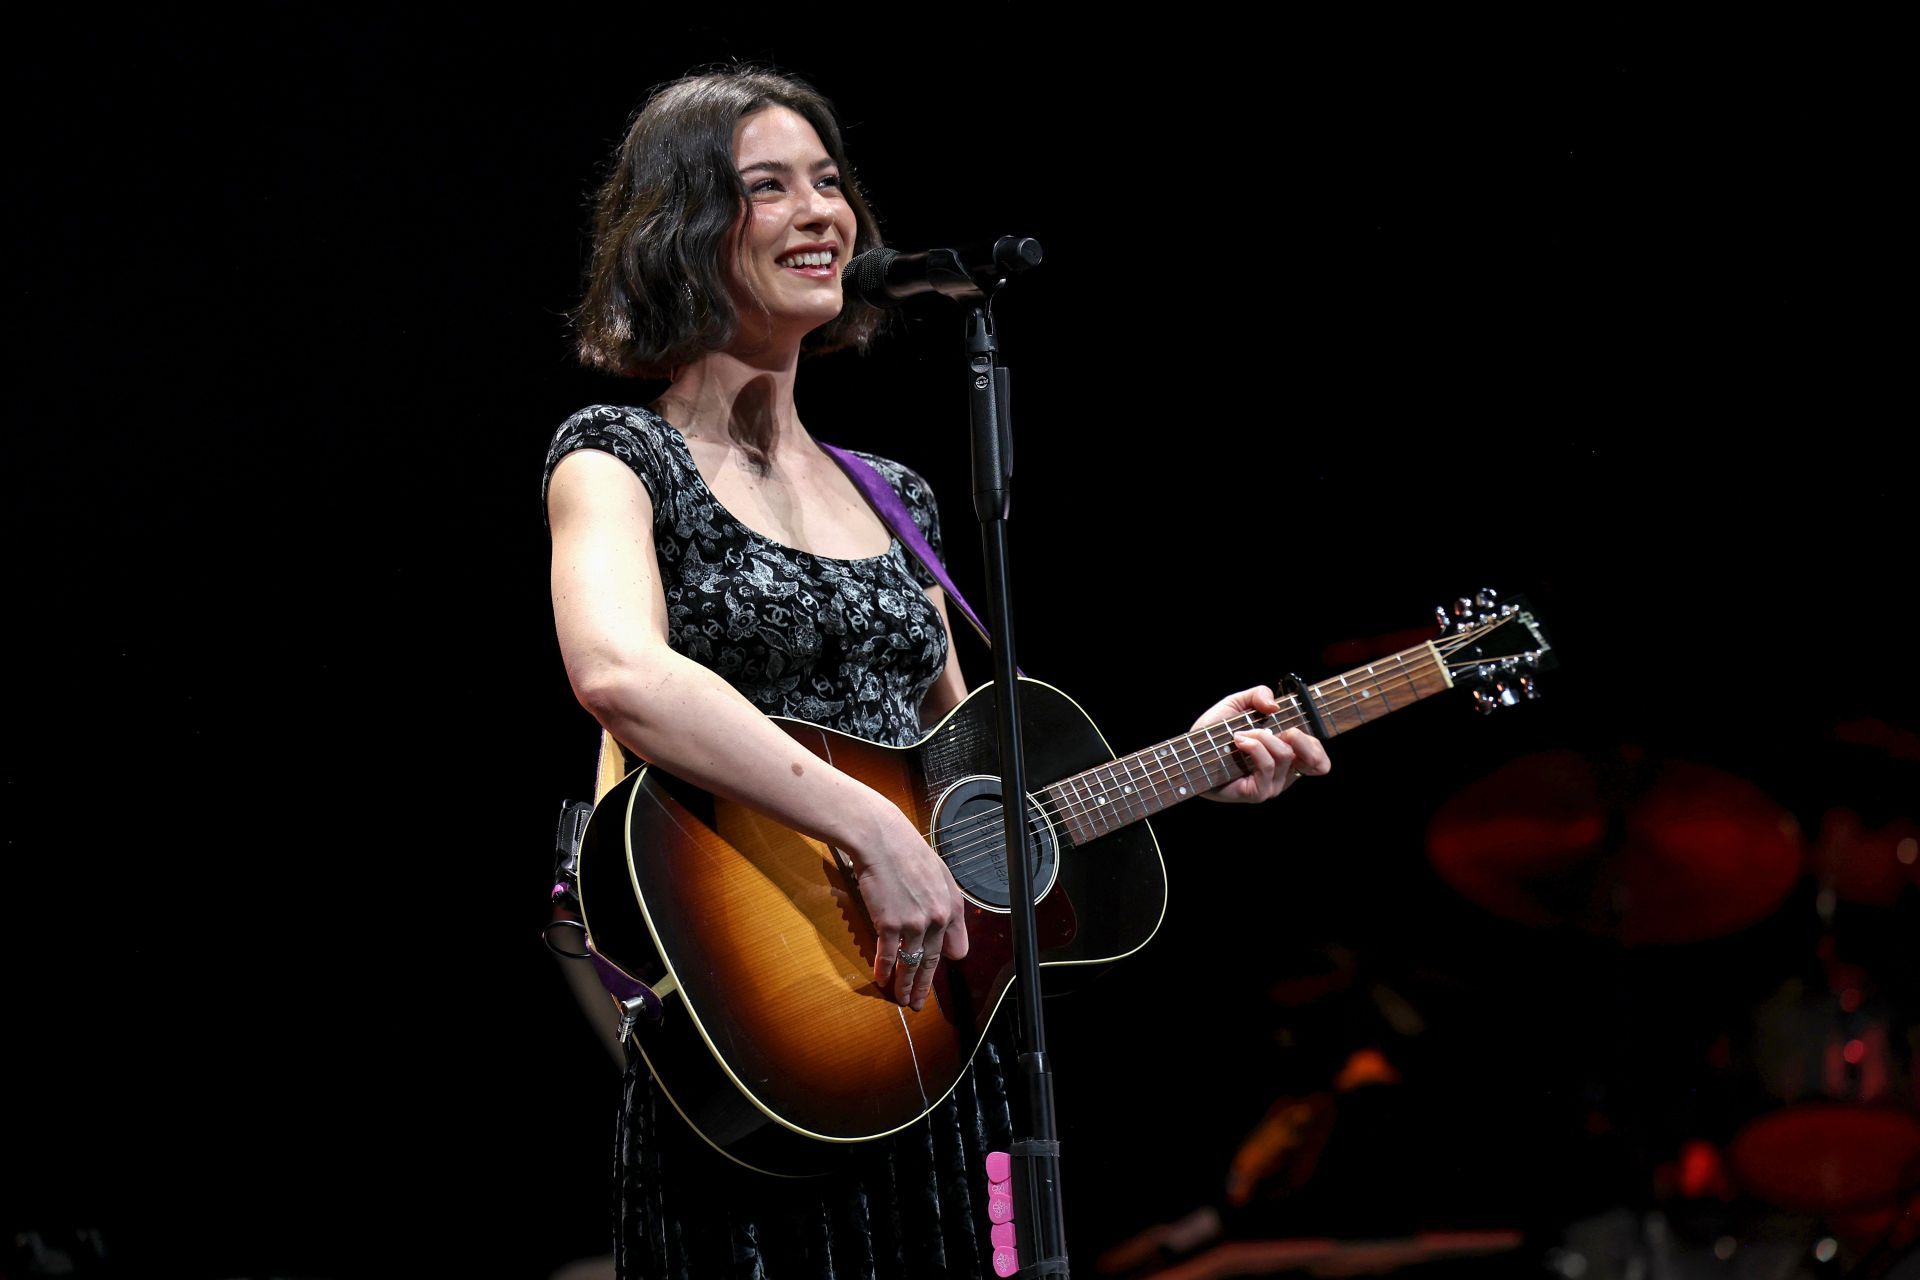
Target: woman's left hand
(1274, 760)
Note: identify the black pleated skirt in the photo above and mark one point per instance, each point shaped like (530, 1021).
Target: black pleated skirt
(910, 1207)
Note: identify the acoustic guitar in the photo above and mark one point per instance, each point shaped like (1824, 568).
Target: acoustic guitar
(772, 1039)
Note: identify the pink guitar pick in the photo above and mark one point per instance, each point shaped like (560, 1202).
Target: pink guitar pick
(1000, 1212)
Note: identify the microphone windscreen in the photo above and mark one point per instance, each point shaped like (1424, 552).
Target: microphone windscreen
(865, 277)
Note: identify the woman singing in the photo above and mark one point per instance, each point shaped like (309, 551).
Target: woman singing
(713, 566)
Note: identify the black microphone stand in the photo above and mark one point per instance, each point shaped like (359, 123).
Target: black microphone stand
(1040, 1221)
(972, 277)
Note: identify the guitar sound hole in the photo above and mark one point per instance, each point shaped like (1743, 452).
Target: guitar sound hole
(969, 834)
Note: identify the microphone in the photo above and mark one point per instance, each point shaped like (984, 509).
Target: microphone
(887, 278)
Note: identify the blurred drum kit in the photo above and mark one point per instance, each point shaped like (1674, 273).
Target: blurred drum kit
(1767, 979)
(1649, 855)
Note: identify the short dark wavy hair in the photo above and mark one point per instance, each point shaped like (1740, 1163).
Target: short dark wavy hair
(656, 291)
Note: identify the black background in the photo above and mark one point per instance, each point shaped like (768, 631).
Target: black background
(1335, 325)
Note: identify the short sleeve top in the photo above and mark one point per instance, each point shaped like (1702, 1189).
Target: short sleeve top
(849, 644)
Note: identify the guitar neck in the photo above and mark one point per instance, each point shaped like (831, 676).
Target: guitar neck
(1113, 795)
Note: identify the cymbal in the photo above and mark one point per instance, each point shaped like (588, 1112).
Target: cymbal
(1829, 1157)
(1685, 854)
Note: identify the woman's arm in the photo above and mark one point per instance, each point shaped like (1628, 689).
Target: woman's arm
(611, 616)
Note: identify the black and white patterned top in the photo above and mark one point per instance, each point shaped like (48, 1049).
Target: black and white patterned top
(849, 644)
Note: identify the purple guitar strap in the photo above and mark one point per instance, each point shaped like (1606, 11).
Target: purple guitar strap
(893, 509)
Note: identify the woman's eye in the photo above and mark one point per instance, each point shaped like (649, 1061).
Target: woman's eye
(765, 184)
(831, 180)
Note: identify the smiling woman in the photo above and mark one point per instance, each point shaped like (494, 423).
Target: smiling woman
(714, 566)
(658, 293)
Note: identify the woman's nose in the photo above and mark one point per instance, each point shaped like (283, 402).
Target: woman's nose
(818, 209)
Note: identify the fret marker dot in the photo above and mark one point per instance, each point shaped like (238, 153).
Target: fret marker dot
(1183, 791)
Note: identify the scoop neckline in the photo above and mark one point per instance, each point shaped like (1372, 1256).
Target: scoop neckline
(680, 439)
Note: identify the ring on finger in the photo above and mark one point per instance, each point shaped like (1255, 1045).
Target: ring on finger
(912, 959)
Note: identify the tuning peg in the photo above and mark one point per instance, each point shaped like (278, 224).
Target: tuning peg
(1503, 693)
(1486, 599)
(1529, 688)
(1443, 619)
(1463, 608)
(1485, 703)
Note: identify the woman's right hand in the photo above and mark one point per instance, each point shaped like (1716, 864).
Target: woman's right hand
(913, 904)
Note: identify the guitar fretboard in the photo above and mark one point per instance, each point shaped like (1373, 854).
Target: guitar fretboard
(1110, 796)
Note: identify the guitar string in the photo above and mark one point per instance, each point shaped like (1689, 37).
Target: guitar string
(1166, 764)
(1332, 704)
(1406, 673)
(986, 832)
(1161, 766)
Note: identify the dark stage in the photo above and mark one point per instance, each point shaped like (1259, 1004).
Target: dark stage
(1336, 324)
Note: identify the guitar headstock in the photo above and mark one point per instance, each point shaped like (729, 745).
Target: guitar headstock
(1493, 647)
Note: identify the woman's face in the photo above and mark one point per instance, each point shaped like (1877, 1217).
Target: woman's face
(797, 232)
